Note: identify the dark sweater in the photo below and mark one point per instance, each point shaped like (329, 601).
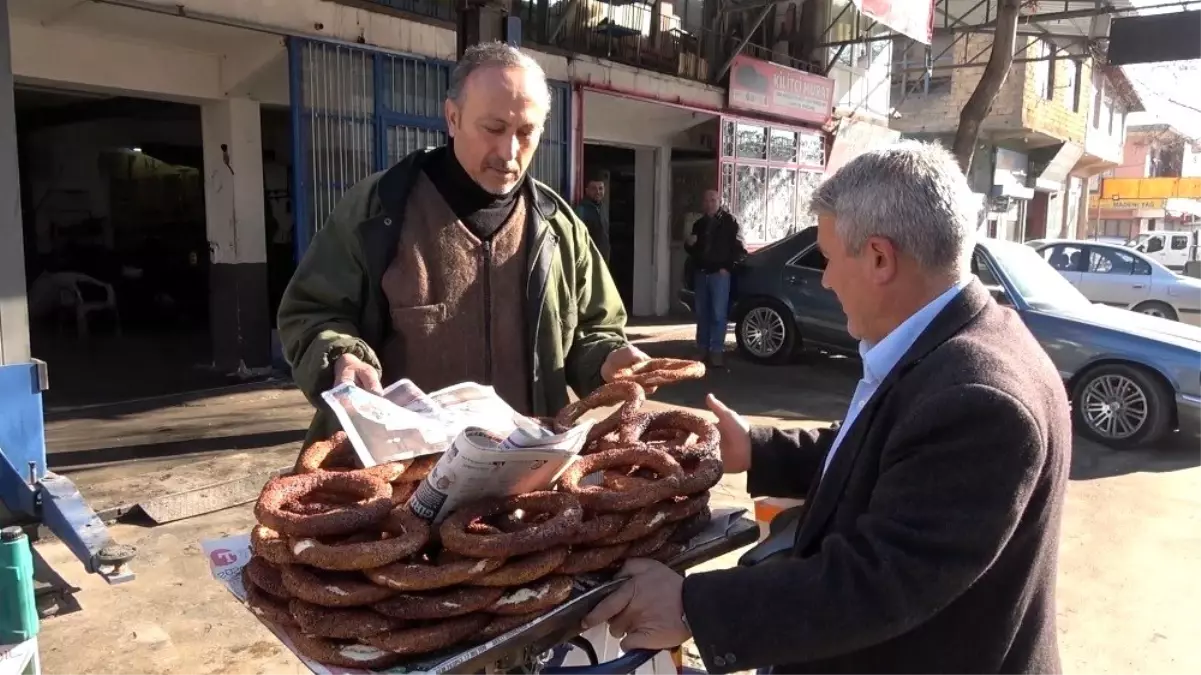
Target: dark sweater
(481, 211)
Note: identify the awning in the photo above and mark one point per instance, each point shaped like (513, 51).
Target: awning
(912, 18)
(1050, 166)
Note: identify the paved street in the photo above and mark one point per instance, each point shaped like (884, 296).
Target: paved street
(1129, 595)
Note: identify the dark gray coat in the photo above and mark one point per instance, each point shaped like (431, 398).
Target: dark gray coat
(931, 544)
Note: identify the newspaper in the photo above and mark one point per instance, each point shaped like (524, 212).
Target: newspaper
(405, 422)
(488, 448)
(481, 464)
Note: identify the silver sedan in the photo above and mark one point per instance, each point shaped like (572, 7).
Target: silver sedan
(1122, 277)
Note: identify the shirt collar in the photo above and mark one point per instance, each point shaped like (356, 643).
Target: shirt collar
(880, 358)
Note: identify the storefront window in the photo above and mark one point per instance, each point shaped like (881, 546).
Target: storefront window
(783, 146)
(727, 184)
(781, 208)
(752, 141)
(768, 175)
(813, 150)
(749, 193)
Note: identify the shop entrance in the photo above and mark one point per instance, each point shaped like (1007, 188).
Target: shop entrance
(616, 168)
(117, 253)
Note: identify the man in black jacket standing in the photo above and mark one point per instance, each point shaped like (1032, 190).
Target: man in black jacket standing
(590, 210)
(715, 247)
(929, 538)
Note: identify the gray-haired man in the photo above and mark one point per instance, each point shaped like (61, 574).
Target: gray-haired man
(930, 531)
(455, 266)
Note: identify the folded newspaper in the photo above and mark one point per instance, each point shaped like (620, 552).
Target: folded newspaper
(488, 448)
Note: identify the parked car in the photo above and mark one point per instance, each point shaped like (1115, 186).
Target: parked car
(1173, 250)
(1123, 277)
(1131, 378)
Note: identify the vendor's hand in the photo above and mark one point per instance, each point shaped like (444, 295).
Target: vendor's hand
(735, 437)
(724, 272)
(648, 609)
(691, 240)
(350, 369)
(625, 357)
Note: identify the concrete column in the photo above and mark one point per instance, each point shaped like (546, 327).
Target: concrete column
(14, 305)
(662, 250)
(234, 215)
(645, 203)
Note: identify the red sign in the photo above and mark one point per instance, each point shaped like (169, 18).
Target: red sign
(771, 88)
(912, 18)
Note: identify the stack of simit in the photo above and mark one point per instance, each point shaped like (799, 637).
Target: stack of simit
(356, 579)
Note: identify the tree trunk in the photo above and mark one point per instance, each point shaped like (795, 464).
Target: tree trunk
(995, 73)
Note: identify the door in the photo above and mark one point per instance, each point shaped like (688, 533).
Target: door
(1178, 250)
(1067, 259)
(1155, 246)
(817, 308)
(1115, 277)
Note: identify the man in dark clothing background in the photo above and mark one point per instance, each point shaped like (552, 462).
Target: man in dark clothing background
(591, 212)
(454, 265)
(715, 247)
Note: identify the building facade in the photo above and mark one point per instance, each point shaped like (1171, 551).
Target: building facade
(1029, 143)
(243, 122)
(1156, 185)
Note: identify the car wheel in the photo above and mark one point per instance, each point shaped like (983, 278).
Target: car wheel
(766, 332)
(1121, 406)
(1156, 308)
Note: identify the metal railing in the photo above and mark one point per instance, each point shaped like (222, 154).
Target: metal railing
(628, 33)
(618, 30)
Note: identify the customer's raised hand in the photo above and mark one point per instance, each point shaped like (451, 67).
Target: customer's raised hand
(350, 369)
(735, 437)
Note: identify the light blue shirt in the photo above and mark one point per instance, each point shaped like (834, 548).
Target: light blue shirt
(879, 359)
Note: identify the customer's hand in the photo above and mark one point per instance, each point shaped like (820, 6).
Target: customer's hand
(724, 272)
(618, 359)
(690, 240)
(735, 437)
(648, 609)
(350, 369)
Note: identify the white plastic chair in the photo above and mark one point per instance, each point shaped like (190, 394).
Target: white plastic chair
(70, 297)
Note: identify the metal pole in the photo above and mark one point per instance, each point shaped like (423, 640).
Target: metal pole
(14, 307)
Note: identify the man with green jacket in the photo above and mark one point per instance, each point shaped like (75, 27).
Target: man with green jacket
(455, 266)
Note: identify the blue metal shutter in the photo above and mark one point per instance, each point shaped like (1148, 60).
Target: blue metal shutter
(552, 162)
(356, 111)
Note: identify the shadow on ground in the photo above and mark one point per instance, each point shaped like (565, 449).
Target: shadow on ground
(1091, 460)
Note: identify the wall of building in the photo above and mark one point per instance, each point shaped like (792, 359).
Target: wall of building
(1135, 158)
(1055, 94)
(1105, 135)
(938, 112)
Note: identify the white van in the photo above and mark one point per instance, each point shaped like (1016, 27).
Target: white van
(1170, 249)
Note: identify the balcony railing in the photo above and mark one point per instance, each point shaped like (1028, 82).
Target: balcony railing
(624, 31)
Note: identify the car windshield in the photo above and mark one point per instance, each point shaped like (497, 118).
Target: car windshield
(1037, 282)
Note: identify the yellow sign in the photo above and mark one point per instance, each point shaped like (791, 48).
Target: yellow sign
(1150, 188)
(1127, 203)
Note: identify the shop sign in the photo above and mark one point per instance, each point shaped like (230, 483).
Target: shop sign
(770, 88)
(1119, 203)
(912, 18)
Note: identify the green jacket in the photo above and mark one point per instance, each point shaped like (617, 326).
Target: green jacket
(334, 303)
